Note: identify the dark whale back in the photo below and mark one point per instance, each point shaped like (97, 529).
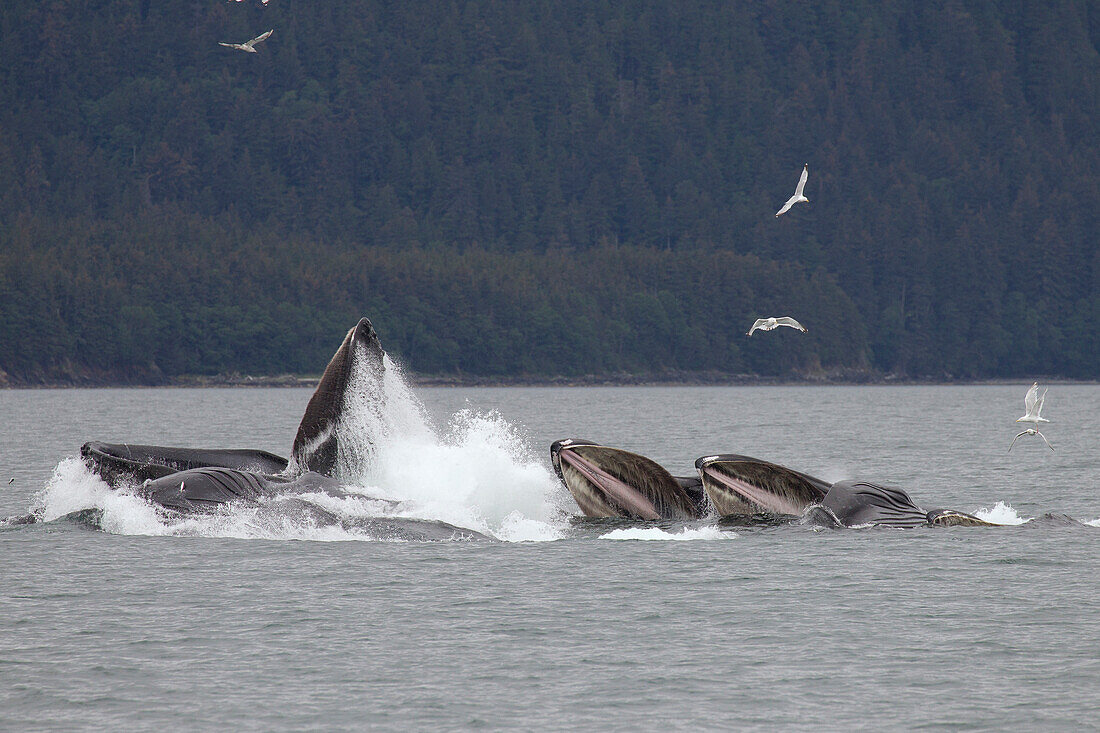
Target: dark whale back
(742, 485)
(122, 462)
(611, 482)
(316, 445)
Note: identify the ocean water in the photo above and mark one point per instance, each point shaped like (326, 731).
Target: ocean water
(114, 616)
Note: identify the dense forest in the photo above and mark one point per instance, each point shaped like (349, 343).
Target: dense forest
(537, 189)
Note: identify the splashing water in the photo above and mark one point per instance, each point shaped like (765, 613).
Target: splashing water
(479, 475)
(657, 534)
(1001, 513)
(378, 408)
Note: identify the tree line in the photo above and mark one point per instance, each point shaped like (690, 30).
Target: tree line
(520, 188)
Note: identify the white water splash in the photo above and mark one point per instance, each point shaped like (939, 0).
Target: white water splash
(1001, 513)
(657, 534)
(74, 488)
(479, 475)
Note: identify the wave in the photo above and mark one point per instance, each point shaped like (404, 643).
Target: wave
(652, 534)
(1001, 513)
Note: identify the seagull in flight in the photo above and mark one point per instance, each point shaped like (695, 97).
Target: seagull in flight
(798, 197)
(1030, 431)
(770, 324)
(1033, 406)
(249, 46)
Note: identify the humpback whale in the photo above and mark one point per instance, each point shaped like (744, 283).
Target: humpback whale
(315, 450)
(742, 485)
(202, 479)
(611, 482)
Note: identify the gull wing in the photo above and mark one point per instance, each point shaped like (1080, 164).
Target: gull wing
(1039, 409)
(1014, 440)
(260, 38)
(786, 207)
(788, 321)
(1044, 439)
(229, 45)
(1030, 399)
(758, 323)
(802, 179)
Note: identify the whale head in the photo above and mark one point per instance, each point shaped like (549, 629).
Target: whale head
(317, 443)
(611, 482)
(739, 485)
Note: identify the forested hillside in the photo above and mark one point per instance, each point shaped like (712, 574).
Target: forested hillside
(512, 188)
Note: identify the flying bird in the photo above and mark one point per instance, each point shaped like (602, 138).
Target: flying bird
(1033, 406)
(249, 46)
(798, 197)
(770, 324)
(1030, 431)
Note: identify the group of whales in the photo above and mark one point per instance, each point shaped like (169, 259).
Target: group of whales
(190, 480)
(611, 482)
(604, 481)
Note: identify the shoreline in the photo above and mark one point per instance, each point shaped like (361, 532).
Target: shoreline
(685, 379)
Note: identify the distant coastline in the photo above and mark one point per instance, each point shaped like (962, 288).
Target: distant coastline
(677, 379)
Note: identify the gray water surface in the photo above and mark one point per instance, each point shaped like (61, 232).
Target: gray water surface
(783, 627)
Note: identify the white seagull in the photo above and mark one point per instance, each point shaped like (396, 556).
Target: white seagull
(798, 197)
(1033, 407)
(770, 324)
(1030, 431)
(249, 46)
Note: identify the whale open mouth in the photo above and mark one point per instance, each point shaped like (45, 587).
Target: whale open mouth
(131, 463)
(743, 485)
(610, 482)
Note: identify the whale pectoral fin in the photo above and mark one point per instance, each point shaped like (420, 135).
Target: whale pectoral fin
(315, 445)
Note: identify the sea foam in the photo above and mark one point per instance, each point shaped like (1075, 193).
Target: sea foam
(477, 474)
(1001, 513)
(656, 534)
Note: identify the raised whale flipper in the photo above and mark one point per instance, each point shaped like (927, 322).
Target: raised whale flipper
(127, 462)
(611, 482)
(316, 444)
(743, 485)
